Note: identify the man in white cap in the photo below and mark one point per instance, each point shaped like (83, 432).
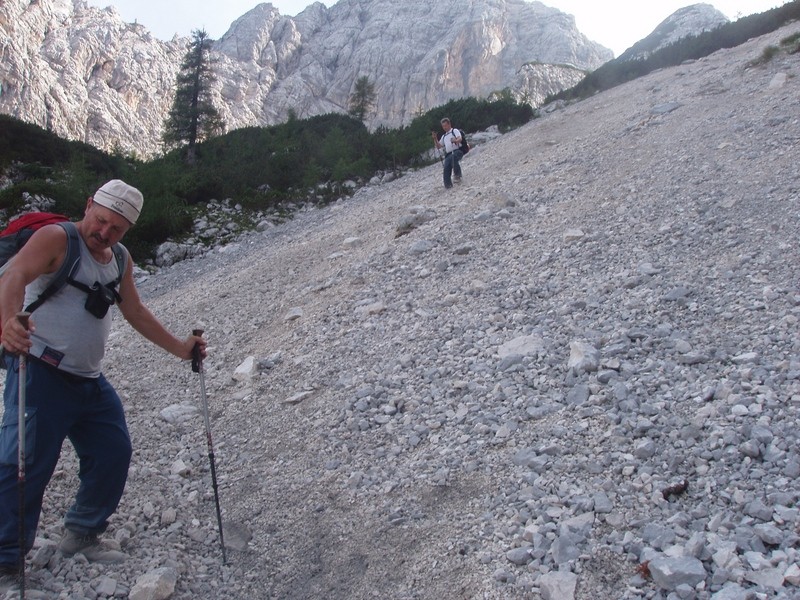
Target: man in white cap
(67, 395)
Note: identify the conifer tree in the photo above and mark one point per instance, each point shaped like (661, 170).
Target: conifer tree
(193, 117)
(362, 100)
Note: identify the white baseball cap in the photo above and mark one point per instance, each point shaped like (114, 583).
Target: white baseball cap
(120, 197)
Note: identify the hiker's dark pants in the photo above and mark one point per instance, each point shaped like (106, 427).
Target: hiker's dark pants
(59, 406)
(452, 164)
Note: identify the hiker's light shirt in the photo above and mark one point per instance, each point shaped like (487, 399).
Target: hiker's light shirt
(67, 335)
(447, 139)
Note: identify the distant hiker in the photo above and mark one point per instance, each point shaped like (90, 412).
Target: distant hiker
(66, 393)
(451, 142)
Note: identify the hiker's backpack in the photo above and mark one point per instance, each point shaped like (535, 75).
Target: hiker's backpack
(17, 234)
(464, 145)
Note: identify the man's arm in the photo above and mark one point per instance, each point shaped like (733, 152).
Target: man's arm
(146, 323)
(43, 253)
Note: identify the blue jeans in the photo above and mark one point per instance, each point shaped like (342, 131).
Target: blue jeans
(452, 164)
(59, 406)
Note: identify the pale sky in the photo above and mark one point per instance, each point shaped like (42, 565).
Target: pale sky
(599, 21)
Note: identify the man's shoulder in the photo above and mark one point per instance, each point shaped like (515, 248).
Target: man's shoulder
(47, 237)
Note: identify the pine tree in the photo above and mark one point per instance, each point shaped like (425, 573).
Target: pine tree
(193, 117)
(362, 100)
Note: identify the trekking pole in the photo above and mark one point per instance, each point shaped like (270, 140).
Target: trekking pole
(197, 367)
(22, 317)
(436, 147)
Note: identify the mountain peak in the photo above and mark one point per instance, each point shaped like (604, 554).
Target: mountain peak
(684, 22)
(85, 74)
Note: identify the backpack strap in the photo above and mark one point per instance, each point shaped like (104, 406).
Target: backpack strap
(68, 267)
(121, 257)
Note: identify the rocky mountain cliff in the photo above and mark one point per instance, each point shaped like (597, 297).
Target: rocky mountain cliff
(85, 74)
(574, 376)
(684, 22)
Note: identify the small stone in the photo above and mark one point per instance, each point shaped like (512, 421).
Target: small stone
(158, 584)
(669, 573)
(558, 585)
(519, 556)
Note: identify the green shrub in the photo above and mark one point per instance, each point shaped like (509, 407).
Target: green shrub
(260, 167)
(791, 43)
(68, 200)
(767, 55)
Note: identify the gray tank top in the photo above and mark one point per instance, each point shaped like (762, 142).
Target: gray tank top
(67, 335)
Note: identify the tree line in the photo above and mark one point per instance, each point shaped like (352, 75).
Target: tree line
(300, 160)
(193, 118)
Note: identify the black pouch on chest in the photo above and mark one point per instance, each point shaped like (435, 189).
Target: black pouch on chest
(99, 298)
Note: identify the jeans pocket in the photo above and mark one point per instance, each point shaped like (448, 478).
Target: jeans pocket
(9, 437)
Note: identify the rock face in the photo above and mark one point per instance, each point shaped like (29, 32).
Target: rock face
(537, 81)
(85, 74)
(581, 361)
(685, 22)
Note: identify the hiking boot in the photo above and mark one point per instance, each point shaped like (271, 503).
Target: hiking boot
(456, 179)
(91, 547)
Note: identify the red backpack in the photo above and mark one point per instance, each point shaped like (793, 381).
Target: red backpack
(31, 221)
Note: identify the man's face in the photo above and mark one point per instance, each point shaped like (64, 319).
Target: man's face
(104, 227)
(446, 126)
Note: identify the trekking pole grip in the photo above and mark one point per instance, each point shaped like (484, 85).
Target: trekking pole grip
(196, 359)
(23, 318)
